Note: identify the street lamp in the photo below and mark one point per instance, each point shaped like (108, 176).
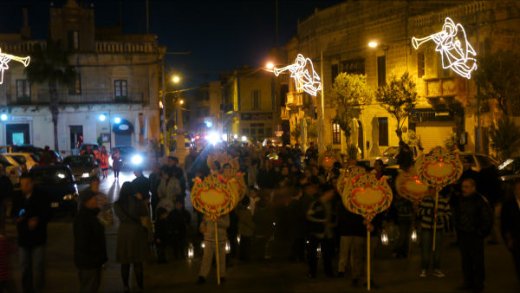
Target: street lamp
(176, 79)
(102, 117)
(373, 44)
(4, 117)
(269, 66)
(181, 102)
(117, 120)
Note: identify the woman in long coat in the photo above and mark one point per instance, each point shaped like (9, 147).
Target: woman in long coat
(132, 235)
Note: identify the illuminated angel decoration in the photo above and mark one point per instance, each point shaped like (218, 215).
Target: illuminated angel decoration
(6, 58)
(304, 75)
(452, 43)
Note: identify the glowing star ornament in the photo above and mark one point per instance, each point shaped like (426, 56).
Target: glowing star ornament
(452, 43)
(304, 75)
(4, 60)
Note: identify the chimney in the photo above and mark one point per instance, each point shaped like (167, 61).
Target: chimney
(26, 29)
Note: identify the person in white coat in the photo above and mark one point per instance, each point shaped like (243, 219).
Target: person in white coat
(169, 188)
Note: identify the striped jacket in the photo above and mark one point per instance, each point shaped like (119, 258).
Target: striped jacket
(426, 212)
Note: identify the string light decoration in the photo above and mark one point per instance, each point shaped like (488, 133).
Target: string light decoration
(6, 58)
(304, 75)
(452, 43)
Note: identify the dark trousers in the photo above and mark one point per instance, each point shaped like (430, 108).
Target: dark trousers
(327, 247)
(516, 257)
(298, 249)
(402, 245)
(245, 248)
(89, 280)
(161, 252)
(472, 257)
(32, 261)
(179, 247)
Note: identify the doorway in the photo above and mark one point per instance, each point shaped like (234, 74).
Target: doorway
(361, 143)
(76, 137)
(17, 134)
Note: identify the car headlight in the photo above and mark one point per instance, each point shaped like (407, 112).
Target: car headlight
(69, 197)
(136, 160)
(85, 175)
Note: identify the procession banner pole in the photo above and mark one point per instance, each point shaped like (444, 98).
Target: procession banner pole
(217, 256)
(368, 259)
(435, 217)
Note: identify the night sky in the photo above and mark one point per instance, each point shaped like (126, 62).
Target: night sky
(221, 35)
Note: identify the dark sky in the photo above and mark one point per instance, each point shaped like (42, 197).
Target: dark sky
(220, 34)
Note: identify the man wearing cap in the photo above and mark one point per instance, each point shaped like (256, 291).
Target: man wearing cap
(89, 244)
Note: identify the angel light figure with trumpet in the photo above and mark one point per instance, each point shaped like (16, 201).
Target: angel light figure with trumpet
(304, 75)
(452, 43)
(4, 60)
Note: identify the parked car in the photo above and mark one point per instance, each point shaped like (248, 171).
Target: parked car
(28, 159)
(58, 183)
(13, 171)
(130, 157)
(478, 161)
(83, 168)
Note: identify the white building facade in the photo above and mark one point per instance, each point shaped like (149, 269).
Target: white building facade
(114, 99)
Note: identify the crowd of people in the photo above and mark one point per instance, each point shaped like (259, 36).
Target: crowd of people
(292, 210)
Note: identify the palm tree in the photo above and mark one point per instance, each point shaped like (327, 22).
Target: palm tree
(50, 65)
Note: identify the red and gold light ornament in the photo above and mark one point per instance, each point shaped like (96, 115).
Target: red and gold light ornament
(347, 175)
(439, 167)
(367, 196)
(410, 186)
(213, 196)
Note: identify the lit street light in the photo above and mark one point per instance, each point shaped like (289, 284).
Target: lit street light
(102, 117)
(117, 120)
(269, 66)
(176, 79)
(181, 102)
(373, 44)
(3, 117)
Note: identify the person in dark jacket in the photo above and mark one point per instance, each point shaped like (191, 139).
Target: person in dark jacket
(32, 211)
(163, 234)
(473, 222)
(510, 226)
(90, 251)
(180, 220)
(132, 235)
(142, 184)
(155, 180)
(321, 231)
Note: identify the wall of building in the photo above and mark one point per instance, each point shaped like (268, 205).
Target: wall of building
(342, 32)
(135, 59)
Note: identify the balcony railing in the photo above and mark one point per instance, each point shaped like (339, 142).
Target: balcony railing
(43, 97)
(125, 47)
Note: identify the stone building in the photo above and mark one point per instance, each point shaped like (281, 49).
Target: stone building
(250, 104)
(447, 106)
(204, 105)
(115, 95)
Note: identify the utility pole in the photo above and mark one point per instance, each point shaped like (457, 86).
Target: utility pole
(147, 16)
(321, 120)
